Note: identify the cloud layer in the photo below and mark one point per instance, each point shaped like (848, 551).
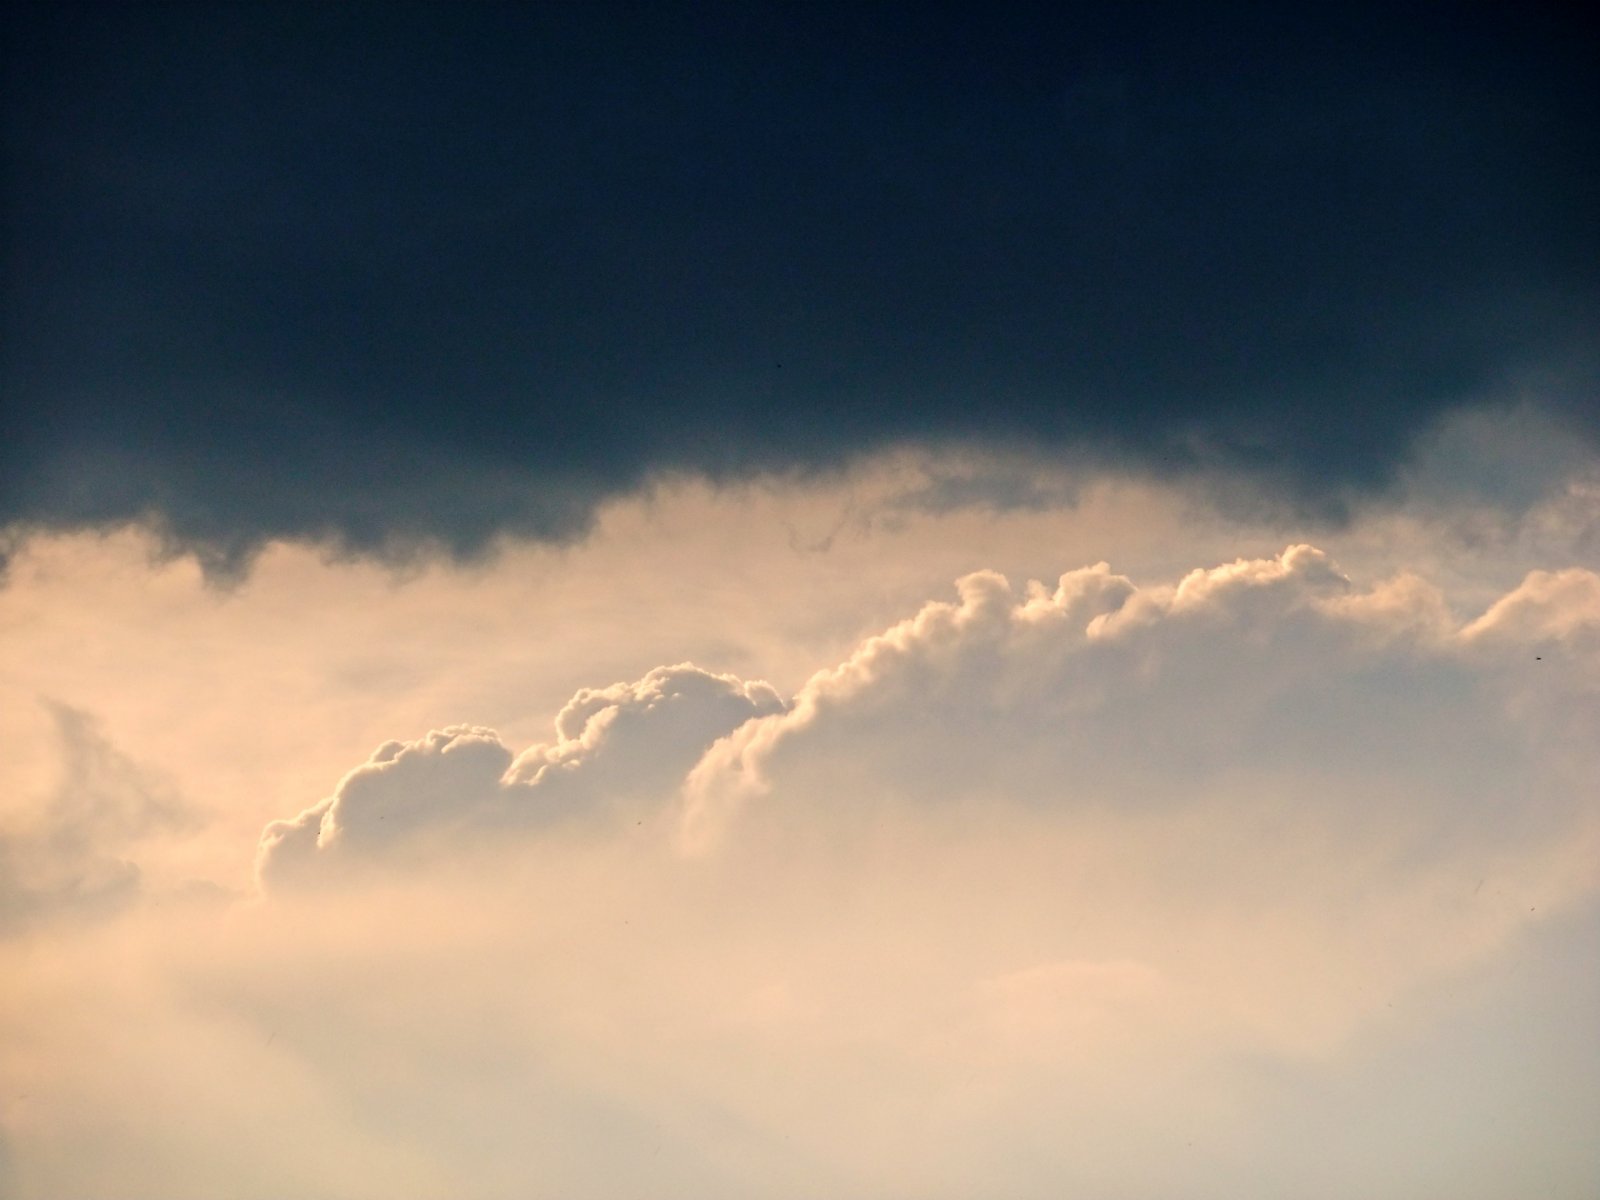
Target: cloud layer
(1100, 886)
(422, 280)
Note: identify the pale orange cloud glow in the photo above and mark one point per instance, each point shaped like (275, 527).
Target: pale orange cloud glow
(1113, 878)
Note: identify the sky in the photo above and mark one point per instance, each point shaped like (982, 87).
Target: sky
(772, 601)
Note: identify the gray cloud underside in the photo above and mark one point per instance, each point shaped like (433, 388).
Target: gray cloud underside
(404, 281)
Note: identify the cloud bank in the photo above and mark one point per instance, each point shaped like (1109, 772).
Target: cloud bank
(1101, 886)
(419, 281)
(1257, 671)
(1094, 695)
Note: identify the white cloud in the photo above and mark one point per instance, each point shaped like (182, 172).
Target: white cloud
(1272, 676)
(1326, 773)
(1549, 606)
(614, 747)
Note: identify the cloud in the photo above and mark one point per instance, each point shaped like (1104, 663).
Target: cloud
(1275, 249)
(615, 746)
(69, 852)
(1101, 885)
(1274, 683)
(1270, 675)
(1389, 753)
(1549, 606)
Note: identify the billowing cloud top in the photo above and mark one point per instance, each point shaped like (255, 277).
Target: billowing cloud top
(615, 747)
(403, 278)
(1270, 682)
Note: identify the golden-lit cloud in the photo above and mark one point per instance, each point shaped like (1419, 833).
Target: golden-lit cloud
(1114, 883)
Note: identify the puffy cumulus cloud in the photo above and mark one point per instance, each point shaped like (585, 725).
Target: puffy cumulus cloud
(614, 746)
(1264, 676)
(1266, 795)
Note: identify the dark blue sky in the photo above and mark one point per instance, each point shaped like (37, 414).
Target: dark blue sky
(404, 272)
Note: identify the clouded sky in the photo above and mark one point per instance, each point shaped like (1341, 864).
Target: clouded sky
(778, 601)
